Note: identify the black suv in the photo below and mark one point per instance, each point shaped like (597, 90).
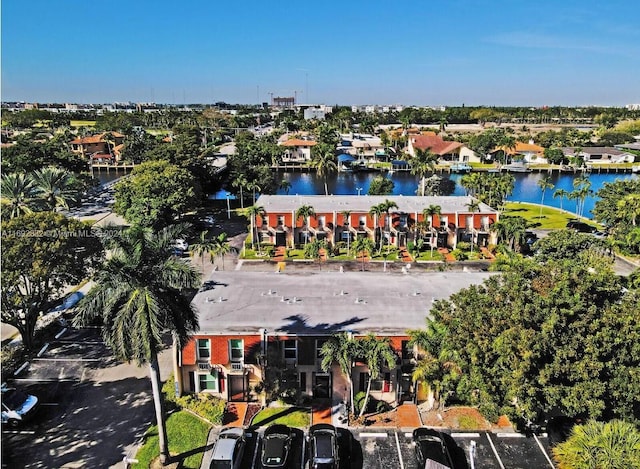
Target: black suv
(323, 447)
(581, 227)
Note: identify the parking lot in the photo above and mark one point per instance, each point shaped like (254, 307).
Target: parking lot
(93, 410)
(391, 449)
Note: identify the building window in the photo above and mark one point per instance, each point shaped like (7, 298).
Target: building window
(321, 221)
(204, 348)
(236, 347)
(469, 222)
(403, 220)
(303, 381)
(363, 221)
(484, 221)
(280, 220)
(208, 381)
(290, 349)
(381, 384)
(444, 221)
(319, 344)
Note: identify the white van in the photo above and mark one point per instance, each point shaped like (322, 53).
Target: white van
(17, 406)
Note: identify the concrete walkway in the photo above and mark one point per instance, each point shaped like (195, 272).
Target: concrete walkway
(408, 416)
(234, 414)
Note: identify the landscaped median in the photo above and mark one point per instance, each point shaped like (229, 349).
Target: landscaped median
(549, 219)
(189, 419)
(296, 417)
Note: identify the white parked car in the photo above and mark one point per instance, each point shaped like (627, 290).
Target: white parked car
(229, 449)
(17, 406)
(180, 244)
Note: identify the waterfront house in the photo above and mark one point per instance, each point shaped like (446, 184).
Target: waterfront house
(98, 147)
(523, 152)
(447, 150)
(599, 154)
(297, 150)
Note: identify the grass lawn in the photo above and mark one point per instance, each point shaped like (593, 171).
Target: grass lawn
(186, 433)
(79, 123)
(552, 218)
(426, 256)
(291, 416)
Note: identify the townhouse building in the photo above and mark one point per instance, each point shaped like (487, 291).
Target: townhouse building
(347, 217)
(250, 321)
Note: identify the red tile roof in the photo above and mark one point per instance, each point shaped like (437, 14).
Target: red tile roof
(297, 142)
(434, 143)
(95, 138)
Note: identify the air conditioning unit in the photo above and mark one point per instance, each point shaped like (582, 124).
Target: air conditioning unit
(204, 366)
(237, 366)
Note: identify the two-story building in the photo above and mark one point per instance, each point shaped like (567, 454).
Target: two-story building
(252, 320)
(447, 150)
(297, 150)
(347, 217)
(104, 147)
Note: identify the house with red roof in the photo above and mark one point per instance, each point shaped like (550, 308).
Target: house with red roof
(297, 150)
(449, 151)
(101, 148)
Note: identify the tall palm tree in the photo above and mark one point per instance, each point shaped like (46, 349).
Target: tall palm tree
(376, 211)
(240, 182)
(305, 212)
(544, 184)
(17, 190)
(430, 211)
(473, 206)
(53, 186)
(386, 206)
(511, 230)
(251, 213)
(222, 247)
(205, 245)
(562, 194)
(253, 187)
(345, 217)
(423, 162)
(137, 297)
(629, 208)
(582, 189)
(324, 162)
(377, 353)
(342, 349)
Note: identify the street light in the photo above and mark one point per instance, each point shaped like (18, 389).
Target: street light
(228, 207)
(358, 189)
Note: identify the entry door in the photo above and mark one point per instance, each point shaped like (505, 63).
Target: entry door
(322, 387)
(281, 238)
(238, 387)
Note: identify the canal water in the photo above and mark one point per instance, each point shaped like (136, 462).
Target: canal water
(526, 187)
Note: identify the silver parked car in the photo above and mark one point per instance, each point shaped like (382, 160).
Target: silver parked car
(229, 449)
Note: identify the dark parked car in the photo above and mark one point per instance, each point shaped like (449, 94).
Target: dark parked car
(581, 227)
(431, 450)
(323, 447)
(227, 454)
(276, 444)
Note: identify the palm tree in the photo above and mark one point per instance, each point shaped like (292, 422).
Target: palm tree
(324, 162)
(629, 208)
(204, 246)
(137, 297)
(386, 206)
(473, 206)
(253, 187)
(343, 349)
(430, 211)
(562, 194)
(423, 162)
(285, 185)
(511, 230)
(614, 444)
(251, 213)
(376, 212)
(582, 188)
(364, 246)
(507, 142)
(222, 247)
(378, 353)
(53, 187)
(345, 217)
(304, 212)
(544, 184)
(18, 191)
(240, 182)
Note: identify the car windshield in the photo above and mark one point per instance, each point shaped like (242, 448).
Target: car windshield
(324, 446)
(221, 465)
(275, 449)
(13, 399)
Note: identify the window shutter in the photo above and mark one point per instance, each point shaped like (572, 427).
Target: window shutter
(221, 382)
(386, 386)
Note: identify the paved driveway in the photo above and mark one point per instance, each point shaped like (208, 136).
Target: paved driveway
(93, 411)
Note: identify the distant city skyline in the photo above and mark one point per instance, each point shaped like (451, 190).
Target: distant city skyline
(502, 53)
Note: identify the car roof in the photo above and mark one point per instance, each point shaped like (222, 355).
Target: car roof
(323, 445)
(226, 443)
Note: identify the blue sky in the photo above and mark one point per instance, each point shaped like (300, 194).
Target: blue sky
(476, 52)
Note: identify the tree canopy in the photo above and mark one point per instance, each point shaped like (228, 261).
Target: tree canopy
(156, 193)
(42, 253)
(559, 335)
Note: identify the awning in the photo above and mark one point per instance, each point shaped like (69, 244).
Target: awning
(345, 158)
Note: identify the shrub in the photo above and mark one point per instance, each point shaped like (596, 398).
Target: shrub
(464, 246)
(459, 255)
(358, 400)
(490, 411)
(205, 405)
(383, 406)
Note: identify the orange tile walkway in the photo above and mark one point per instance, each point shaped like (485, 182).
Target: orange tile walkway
(408, 416)
(448, 257)
(487, 254)
(321, 412)
(234, 414)
(404, 255)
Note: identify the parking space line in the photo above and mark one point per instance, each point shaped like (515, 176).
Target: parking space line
(399, 450)
(43, 349)
(373, 435)
(465, 435)
(495, 451)
(544, 452)
(510, 435)
(255, 451)
(67, 359)
(44, 380)
(408, 435)
(85, 342)
(61, 333)
(19, 432)
(304, 452)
